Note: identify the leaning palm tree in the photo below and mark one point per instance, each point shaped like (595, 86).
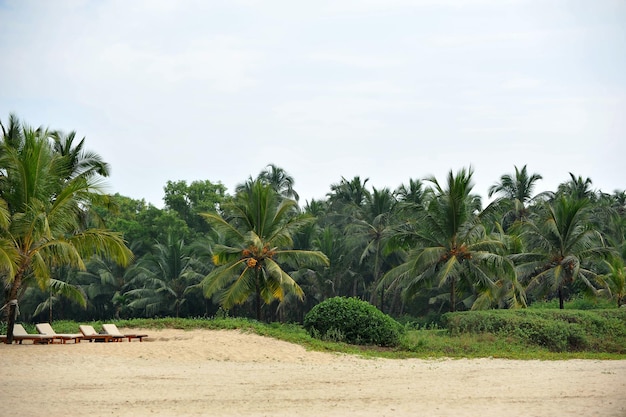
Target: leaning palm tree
(562, 245)
(454, 250)
(257, 228)
(43, 214)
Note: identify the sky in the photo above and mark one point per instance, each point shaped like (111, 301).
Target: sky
(388, 90)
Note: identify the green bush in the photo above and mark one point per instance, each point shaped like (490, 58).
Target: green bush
(557, 330)
(352, 321)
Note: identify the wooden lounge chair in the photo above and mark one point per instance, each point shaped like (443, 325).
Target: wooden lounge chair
(46, 328)
(20, 334)
(89, 333)
(113, 330)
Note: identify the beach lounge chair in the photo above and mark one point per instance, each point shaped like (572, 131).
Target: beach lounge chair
(20, 334)
(113, 330)
(89, 333)
(46, 328)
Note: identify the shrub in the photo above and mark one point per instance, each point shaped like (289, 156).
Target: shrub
(556, 330)
(353, 321)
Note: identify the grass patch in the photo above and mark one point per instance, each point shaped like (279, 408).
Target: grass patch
(423, 343)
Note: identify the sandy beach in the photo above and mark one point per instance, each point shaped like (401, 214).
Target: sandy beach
(229, 373)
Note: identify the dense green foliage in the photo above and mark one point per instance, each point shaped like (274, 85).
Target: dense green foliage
(415, 252)
(352, 321)
(556, 330)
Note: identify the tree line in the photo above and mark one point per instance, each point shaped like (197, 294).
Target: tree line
(67, 250)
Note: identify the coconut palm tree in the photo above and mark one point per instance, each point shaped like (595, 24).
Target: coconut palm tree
(515, 194)
(80, 162)
(412, 197)
(577, 188)
(280, 180)
(43, 213)
(164, 279)
(105, 284)
(454, 250)
(614, 280)
(257, 229)
(348, 196)
(371, 237)
(561, 245)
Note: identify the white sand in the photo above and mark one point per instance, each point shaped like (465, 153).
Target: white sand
(227, 373)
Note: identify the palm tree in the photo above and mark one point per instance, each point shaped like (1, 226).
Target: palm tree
(105, 284)
(577, 188)
(257, 228)
(412, 197)
(80, 162)
(43, 207)
(614, 280)
(560, 242)
(454, 250)
(61, 286)
(371, 236)
(348, 196)
(280, 180)
(516, 192)
(164, 279)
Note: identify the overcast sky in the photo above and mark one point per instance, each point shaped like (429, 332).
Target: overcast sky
(384, 89)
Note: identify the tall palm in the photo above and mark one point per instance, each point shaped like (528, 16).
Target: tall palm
(330, 241)
(43, 213)
(454, 251)
(577, 188)
(257, 230)
(412, 197)
(560, 242)
(280, 180)
(515, 193)
(347, 195)
(371, 236)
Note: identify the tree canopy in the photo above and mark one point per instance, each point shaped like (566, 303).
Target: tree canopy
(423, 247)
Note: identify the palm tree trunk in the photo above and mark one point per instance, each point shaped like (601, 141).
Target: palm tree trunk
(12, 310)
(50, 305)
(258, 296)
(394, 303)
(452, 296)
(561, 298)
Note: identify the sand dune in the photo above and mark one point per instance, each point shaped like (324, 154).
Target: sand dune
(228, 373)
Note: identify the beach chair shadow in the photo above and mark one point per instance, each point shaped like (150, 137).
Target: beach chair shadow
(20, 334)
(46, 328)
(113, 330)
(89, 333)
